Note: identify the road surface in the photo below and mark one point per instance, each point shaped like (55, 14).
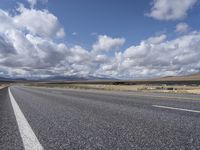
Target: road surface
(55, 119)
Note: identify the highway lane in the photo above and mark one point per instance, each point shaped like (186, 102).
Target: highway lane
(9, 134)
(78, 119)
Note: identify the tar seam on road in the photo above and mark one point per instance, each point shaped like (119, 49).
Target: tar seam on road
(29, 138)
(174, 108)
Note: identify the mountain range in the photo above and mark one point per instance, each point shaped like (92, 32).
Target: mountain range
(58, 78)
(195, 76)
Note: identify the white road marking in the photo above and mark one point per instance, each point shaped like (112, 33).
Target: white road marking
(174, 108)
(29, 138)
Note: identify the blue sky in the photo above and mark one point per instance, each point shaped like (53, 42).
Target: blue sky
(116, 18)
(116, 36)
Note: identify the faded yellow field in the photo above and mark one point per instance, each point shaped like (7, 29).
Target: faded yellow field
(106, 87)
(194, 91)
(145, 88)
(2, 86)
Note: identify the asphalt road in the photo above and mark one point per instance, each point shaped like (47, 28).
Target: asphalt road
(78, 119)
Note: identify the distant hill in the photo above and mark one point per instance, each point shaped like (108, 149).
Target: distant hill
(2, 79)
(58, 78)
(75, 78)
(12, 79)
(192, 77)
(195, 76)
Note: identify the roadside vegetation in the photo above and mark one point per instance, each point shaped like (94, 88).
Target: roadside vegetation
(193, 89)
(3, 85)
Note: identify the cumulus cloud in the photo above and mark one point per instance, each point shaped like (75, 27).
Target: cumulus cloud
(178, 56)
(170, 9)
(45, 24)
(28, 46)
(6, 22)
(6, 47)
(34, 2)
(106, 43)
(30, 49)
(157, 39)
(182, 28)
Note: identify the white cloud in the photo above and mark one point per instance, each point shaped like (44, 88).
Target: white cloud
(106, 43)
(157, 39)
(182, 28)
(60, 33)
(6, 47)
(177, 56)
(74, 33)
(39, 22)
(79, 55)
(6, 22)
(34, 2)
(170, 9)
(100, 59)
(30, 49)
(150, 59)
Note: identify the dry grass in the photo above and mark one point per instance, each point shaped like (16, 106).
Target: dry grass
(145, 88)
(182, 78)
(176, 89)
(96, 86)
(2, 86)
(193, 91)
(109, 87)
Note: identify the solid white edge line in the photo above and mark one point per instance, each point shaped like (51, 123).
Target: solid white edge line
(174, 108)
(29, 138)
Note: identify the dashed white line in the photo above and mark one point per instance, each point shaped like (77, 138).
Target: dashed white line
(29, 138)
(174, 108)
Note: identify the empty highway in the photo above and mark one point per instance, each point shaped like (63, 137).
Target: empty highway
(56, 119)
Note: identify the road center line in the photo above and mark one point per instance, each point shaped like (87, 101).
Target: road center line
(174, 108)
(29, 138)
